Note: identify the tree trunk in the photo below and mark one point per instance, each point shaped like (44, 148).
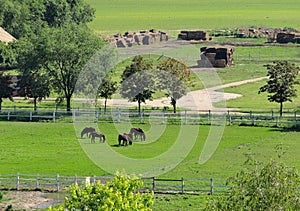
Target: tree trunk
(139, 104)
(34, 103)
(68, 103)
(105, 101)
(280, 110)
(173, 102)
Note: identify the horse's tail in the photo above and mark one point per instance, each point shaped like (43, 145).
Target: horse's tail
(144, 136)
(103, 138)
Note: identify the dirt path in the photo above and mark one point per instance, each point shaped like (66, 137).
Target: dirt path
(196, 100)
(24, 200)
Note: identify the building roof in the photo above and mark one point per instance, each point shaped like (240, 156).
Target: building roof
(5, 36)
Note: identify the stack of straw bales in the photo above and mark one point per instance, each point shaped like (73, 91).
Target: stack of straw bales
(216, 56)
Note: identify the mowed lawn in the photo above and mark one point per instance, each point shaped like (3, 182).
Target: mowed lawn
(126, 15)
(52, 148)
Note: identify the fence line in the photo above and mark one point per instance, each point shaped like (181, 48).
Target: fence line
(157, 116)
(157, 185)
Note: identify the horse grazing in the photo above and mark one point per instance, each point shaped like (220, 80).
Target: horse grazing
(87, 131)
(126, 138)
(97, 134)
(138, 133)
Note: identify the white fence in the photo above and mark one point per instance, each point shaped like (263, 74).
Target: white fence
(155, 116)
(157, 185)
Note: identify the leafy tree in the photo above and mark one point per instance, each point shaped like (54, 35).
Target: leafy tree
(280, 85)
(62, 52)
(137, 82)
(23, 18)
(119, 194)
(35, 85)
(106, 89)
(273, 186)
(7, 56)
(5, 89)
(175, 80)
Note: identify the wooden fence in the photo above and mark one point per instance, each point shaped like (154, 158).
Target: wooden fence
(155, 116)
(157, 185)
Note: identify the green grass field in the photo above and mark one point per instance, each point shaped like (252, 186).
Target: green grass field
(52, 148)
(126, 15)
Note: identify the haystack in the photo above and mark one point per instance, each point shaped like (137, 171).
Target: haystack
(216, 56)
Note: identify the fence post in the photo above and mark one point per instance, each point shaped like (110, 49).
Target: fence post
(57, 182)
(211, 186)
(208, 116)
(119, 116)
(18, 181)
(141, 116)
(163, 117)
(8, 115)
(182, 185)
(185, 117)
(94, 180)
(75, 179)
(277, 121)
(37, 182)
(229, 117)
(53, 116)
(97, 116)
(295, 115)
(153, 184)
(30, 115)
(15, 109)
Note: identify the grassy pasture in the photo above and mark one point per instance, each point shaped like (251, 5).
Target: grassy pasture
(121, 16)
(52, 148)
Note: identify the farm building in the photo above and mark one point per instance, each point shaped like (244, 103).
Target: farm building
(216, 56)
(194, 35)
(5, 36)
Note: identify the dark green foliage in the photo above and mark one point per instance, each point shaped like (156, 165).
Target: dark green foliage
(173, 79)
(106, 89)
(273, 186)
(5, 89)
(23, 18)
(137, 82)
(280, 85)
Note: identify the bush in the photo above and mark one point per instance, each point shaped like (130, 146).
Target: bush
(270, 187)
(119, 194)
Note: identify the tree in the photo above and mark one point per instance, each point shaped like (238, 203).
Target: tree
(280, 85)
(62, 52)
(119, 194)
(34, 85)
(23, 18)
(137, 82)
(106, 89)
(175, 79)
(5, 89)
(273, 186)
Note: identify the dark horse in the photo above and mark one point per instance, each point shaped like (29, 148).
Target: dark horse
(97, 134)
(126, 138)
(87, 131)
(138, 133)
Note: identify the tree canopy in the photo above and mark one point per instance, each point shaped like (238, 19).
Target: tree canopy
(23, 18)
(282, 76)
(137, 82)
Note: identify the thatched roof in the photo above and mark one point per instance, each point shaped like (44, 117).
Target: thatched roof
(5, 36)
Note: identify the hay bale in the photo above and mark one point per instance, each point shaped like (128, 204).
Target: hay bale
(220, 63)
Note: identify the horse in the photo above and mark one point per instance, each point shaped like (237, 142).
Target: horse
(97, 134)
(126, 138)
(138, 132)
(87, 131)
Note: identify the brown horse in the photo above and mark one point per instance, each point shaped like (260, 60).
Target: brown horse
(87, 131)
(126, 138)
(95, 134)
(138, 133)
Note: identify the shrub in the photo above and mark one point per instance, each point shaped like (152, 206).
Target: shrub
(119, 194)
(270, 187)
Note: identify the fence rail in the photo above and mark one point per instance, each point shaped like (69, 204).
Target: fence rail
(156, 116)
(157, 185)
